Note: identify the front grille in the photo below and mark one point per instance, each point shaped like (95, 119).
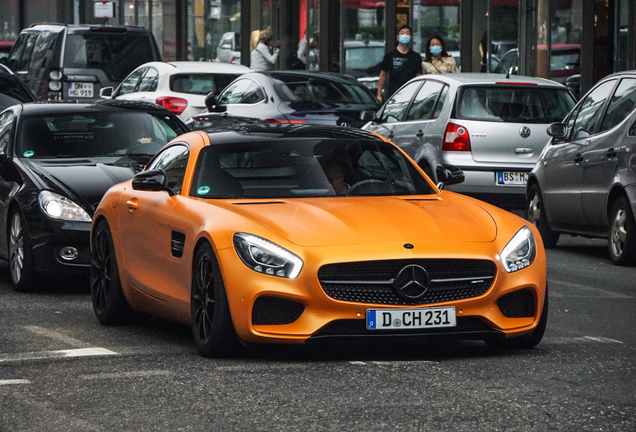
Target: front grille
(275, 311)
(372, 281)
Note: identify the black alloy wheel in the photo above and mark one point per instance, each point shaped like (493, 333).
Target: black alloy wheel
(535, 214)
(23, 274)
(622, 233)
(212, 326)
(109, 303)
(527, 341)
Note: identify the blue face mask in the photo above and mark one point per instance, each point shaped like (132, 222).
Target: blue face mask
(404, 39)
(436, 50)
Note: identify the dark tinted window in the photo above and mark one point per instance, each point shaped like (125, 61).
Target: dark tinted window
(305, 168)
(523, 104)
(94, 134)
(117, 54)
(6, 123)
(317, 90)
(16, 52)
(621, 105)
(200, 84)
(43, 55)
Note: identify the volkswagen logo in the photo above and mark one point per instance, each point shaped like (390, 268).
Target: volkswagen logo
(411, 282)
(525, 132)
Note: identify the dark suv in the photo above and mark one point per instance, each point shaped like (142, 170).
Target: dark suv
(59, 61)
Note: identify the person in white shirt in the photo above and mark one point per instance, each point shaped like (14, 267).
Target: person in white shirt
(261, 59)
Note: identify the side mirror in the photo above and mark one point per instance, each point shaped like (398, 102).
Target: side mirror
(368, 115)
(212, 103)
(151, 180)
(448, 175)
(557, 130)
(106, 92)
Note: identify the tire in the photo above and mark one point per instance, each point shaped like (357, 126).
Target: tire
(527, 341)
(23, 274)
(622, 233)
(535, 214)
(212, 327)
(109, 303)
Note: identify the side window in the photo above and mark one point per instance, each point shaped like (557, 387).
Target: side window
(42, 55)
(6, 120)
(28, 52)
(235, 93)
(173, 162)
(440, 103)
(588, 119)
(16, 53)
(253, 94)
(395, 108)
(621, 105)
(424, 102)
(149, 81)
(129, 84)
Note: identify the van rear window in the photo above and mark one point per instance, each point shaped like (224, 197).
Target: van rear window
(116, 54)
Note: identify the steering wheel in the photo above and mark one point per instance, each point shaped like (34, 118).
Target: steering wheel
(361, 183)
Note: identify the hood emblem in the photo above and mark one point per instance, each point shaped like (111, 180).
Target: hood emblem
(525, 132)
(411, 282)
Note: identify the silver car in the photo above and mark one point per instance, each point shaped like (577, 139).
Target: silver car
(490, 126)
(585, 181)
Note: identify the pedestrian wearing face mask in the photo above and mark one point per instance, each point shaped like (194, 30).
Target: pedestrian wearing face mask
(400, 64)
(436, 59)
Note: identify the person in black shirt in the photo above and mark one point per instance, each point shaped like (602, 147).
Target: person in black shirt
(401, 64)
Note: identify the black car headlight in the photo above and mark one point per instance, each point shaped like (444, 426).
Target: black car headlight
(263, 256)
(57, 206)
(520, 252)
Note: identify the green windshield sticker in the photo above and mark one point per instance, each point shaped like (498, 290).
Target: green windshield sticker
(203, 190)
(28, 153)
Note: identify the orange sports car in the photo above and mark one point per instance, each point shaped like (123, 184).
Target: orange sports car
(300, 233)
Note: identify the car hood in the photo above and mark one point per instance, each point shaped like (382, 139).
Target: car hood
(85, 181)
(355, 221)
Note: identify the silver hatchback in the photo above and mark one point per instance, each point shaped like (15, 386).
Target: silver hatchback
(491, 126)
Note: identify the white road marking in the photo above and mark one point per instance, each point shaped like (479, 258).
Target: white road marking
(602, 339)
(14, 382)
(559, 340)
(568, 289)
(82, 352)
(132, 374)
(57, 336)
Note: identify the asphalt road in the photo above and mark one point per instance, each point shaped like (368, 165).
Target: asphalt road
(62, 371)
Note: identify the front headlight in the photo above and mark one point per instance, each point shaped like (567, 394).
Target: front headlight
(520, 252)
(263, 256)
(59, 207)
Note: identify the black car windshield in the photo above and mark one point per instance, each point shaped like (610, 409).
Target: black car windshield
(117, 54)
(94, 134)
(305, 168)
(324, 91)
(522, 104)
(200, 84)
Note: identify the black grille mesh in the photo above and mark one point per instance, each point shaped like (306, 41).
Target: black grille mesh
(275, 311)
(355, 281)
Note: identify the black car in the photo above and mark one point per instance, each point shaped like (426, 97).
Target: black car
(56, 162)
(288, 97)
(12, 89)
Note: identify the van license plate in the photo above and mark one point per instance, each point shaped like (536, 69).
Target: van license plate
(512, 178)
(406, 319)
(76, 89)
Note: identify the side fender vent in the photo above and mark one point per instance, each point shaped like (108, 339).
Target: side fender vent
(177, 245)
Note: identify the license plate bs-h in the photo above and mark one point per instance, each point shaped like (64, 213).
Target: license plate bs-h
(392, 319)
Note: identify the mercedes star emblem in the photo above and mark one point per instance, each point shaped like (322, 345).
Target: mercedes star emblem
(411, 282)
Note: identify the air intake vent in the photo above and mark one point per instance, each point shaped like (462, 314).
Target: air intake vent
(275, 311)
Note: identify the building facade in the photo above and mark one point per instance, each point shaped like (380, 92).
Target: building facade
(573, 41)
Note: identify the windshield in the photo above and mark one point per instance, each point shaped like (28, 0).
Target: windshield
(117, 54)
(94, 134)
(527, 104)
(305, 168)
(323, 91)
(200, 84)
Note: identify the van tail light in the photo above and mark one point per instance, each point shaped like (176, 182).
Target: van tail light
(172, 104)
(456, 138)
(285, 121)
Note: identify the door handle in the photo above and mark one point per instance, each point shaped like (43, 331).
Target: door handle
(132, 204)
(612, 153)
(578, 158)
(419, 133)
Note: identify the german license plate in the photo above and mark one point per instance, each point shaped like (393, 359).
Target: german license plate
(76, 89)
(407, 319)
(512, 178)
